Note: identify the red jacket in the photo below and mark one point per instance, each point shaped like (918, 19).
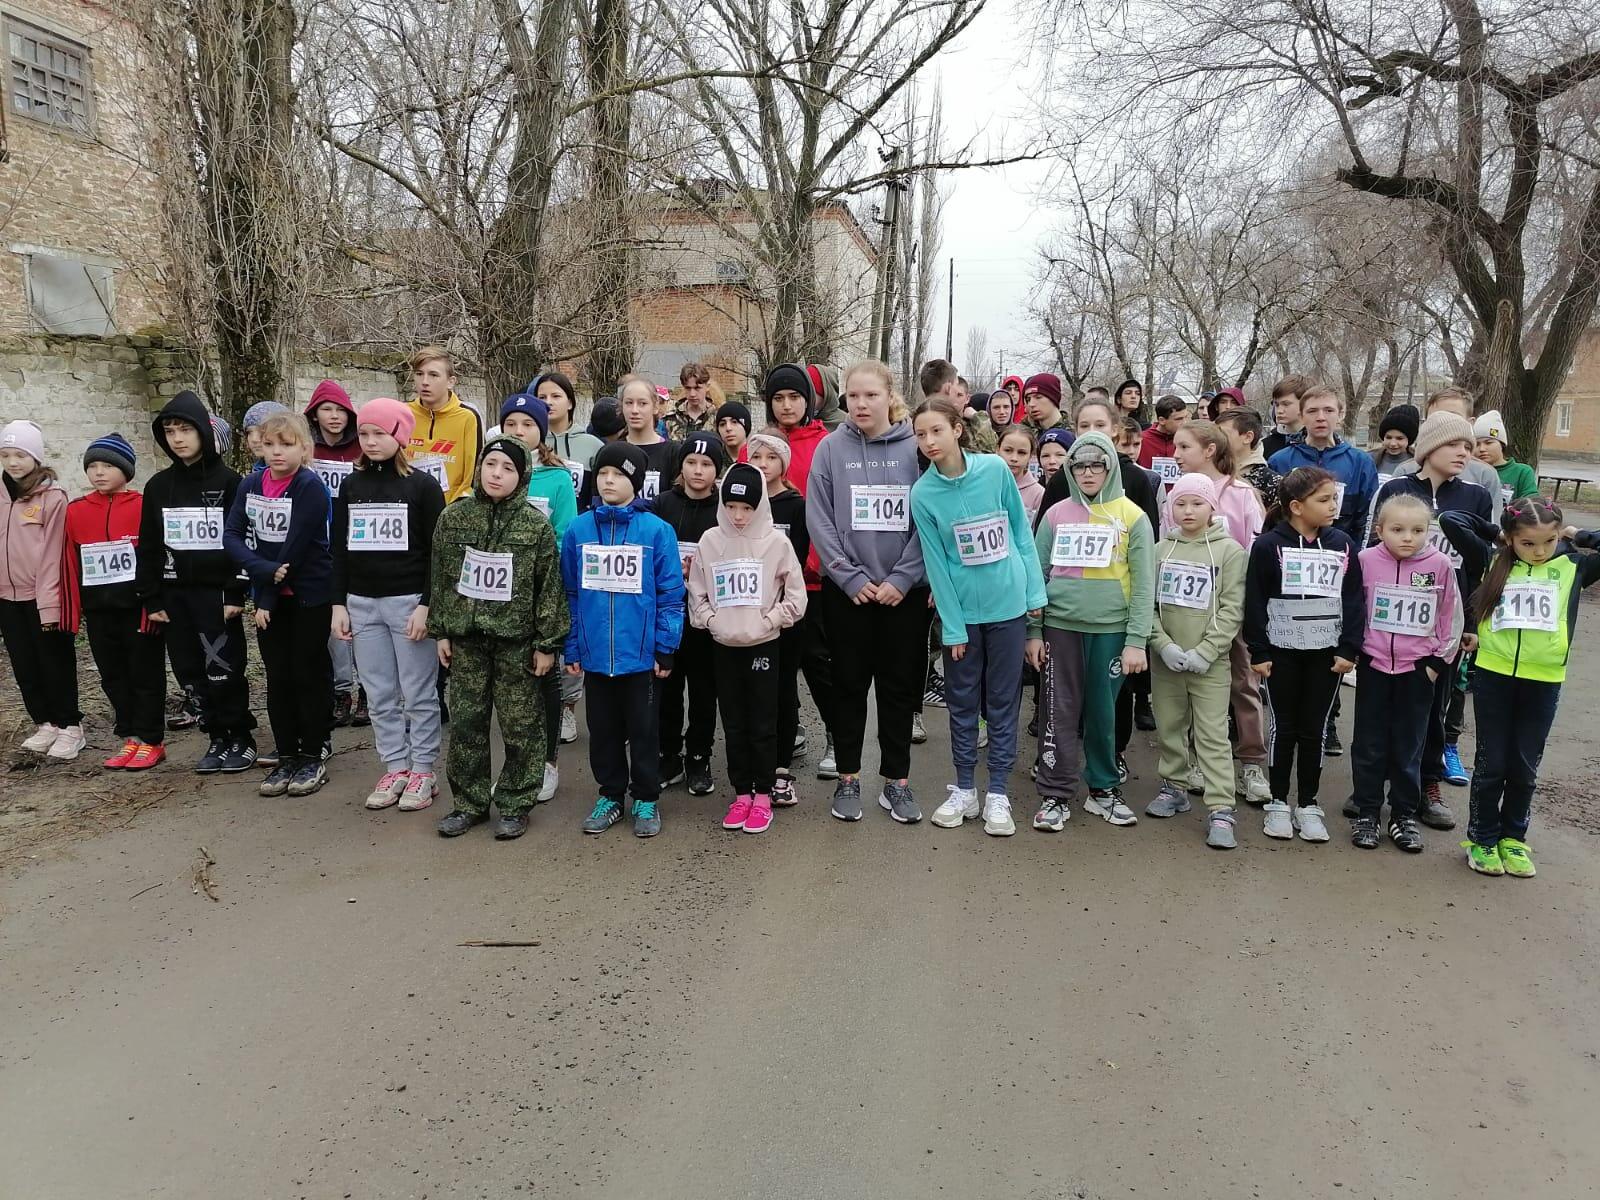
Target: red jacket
(803, 442)
(1153, 445)
(91, 519)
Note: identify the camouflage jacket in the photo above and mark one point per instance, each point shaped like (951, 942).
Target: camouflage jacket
(537, 608)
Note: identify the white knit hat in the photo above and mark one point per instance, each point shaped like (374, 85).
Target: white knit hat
(1491, 425)
(24, 436)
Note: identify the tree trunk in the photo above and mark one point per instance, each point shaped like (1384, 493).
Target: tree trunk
(611, 343)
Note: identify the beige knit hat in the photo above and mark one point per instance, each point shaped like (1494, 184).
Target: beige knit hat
(1440, 429)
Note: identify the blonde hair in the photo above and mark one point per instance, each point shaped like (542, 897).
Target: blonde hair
(1403, 501)
(290, 428)
(630, 379)
(401, 460)
(897, 405)
(430, 354)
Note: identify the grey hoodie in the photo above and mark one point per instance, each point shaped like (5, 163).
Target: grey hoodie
(852, 558)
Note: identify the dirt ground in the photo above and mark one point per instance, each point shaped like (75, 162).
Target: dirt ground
(823, 1011)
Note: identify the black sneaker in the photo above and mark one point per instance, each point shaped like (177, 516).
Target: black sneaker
(211, 761)
(1332, 747)
(188, 714)
(671, 770)
(1144, 716)
(327, 749)
(1033, 725)
(1404, 833)
(699, 776)
(309, 776)
(268, 760)
(277, 783)
(1364, 833)
(361, 716)
(1353, 810)
(933, 695)
(343, 705)
(1122, 769)
(239, 756)
(455, 823)
(511, 826)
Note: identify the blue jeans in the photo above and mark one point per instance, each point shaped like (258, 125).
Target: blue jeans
(1513, 721)
(989, 676)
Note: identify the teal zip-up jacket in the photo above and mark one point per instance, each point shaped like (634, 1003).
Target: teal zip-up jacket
(556, 499)
(976, 593)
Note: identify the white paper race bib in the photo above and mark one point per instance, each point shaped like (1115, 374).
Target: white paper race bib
(576, 470)
(433, 464)
(686, 553)
(1187, 585)
(1338, 496)
(1312, 572)
(1505, 493)
(1303, 624)
(192, 528)
(269, 519)
(542, 503)
(378, 527)
(736, 584)
(880, 508)
(1167, 468)
(982, 540)
(485, 575)
(613, 569)
(1527, 604)
(106, 562)
(652, 485)
(1083, 546)
(1439, 542)
(332, 474)
(1408, 611)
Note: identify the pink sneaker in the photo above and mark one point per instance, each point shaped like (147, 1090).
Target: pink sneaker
(421, 788)
(389, 790)
(738, 813)
(760, 815)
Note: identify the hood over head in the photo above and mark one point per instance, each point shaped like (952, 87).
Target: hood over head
(792, 377)
(517, 452)
(189, 408)
(1086, 449)
(744, 484)
(329, 392)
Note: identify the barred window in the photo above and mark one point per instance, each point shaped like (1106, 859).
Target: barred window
(49, 77)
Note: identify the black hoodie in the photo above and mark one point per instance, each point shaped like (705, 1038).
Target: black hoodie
(688, 517)
(207, 484)
(386, 572)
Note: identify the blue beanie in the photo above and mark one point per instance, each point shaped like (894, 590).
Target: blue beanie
(259, 412)
(533, 407)
(113, 448)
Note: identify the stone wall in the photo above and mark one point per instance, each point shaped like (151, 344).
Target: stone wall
(78, 388)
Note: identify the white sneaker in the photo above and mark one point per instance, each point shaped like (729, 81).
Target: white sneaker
(1252, 783)
(997, 820)
(43, 738)
(919, 733)
(552, 780)
(1310, 824)
(961, 805)
(1108, 803)
(1275, 820)
(69, 742)
(827, 765)
(388, 790)
(1195, 781)
(569, 724)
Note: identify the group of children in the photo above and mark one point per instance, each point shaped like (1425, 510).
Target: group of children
(1169, 575)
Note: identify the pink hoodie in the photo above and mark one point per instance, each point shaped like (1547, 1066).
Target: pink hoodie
(33, 546)
(1426, 571)
(782, 587)
(1239, 506)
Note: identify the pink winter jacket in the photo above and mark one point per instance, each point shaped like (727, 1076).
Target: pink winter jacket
(1239, 506)
(33, 544)
(1428, 570)
(782, 599)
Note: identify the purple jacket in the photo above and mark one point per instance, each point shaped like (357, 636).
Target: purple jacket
(1427, 571)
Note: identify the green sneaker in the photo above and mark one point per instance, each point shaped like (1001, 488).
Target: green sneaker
(1485, 860)
(1516, 860)
(607, 812)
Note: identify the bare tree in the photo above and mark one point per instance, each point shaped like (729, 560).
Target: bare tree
(976, 365)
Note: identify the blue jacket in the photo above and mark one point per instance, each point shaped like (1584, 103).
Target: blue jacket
(616, 632)
(304, 544)
(977, 594)
(1347, 464)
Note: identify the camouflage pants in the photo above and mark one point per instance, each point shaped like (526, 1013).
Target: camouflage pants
(494, 675)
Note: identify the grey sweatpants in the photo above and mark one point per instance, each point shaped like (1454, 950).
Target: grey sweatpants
(343, 656)
(989, 669)
(401, 678)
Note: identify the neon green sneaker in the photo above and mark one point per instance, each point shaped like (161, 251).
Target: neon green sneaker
(1485, 860)
(1516, 860)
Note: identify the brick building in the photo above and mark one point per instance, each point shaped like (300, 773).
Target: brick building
(1574, 428)
(706, 298)
(80, 211)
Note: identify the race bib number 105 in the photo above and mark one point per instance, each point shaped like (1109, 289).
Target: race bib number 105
(613, 569)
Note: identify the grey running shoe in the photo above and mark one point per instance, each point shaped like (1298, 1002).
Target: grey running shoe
(847, 799)
(896, 800)
(1170, 800)
(1108, 803)
(1219, 832)
(1052, 815)
(919, 732)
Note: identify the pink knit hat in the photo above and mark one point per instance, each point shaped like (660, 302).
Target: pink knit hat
(1194, 484)
(391, 416)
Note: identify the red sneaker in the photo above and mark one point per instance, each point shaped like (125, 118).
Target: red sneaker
(122, 757)
(146, 757)
(760, 815)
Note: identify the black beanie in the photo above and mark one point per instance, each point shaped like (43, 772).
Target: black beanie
(606, 419)
(625, 457)
(1404, 418)
(743, 484)
(513, 449)
(738, 412)
(794, 378)
(701, 441)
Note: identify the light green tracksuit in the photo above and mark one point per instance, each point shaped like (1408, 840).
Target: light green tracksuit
(1184, 700)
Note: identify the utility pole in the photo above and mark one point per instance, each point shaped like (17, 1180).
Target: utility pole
(950, 321)
(883, 292)
(1002, 364)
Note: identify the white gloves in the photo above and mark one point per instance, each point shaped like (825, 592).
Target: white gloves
(1196, 662)
(1173, 657)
